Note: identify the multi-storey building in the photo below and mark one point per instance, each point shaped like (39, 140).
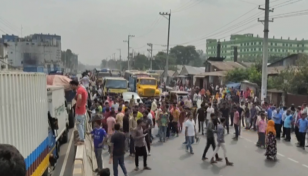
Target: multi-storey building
(35, 50)
(251, 47)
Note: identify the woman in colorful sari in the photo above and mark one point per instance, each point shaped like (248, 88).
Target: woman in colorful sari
(271, 144)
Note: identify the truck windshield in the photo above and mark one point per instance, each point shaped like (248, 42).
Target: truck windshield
(147, 82)
(103, 74)
(116, 84)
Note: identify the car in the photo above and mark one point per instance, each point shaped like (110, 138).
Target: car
(128, 95)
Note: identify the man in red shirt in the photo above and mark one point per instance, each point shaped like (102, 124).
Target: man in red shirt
(80, 110)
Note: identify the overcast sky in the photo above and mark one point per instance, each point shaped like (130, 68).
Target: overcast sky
(95, 29)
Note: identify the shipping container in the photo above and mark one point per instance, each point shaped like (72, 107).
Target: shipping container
(57, 109)
(23, 118)
(39, 69)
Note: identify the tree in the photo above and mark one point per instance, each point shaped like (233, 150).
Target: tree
(184, 54)
(159, 61)
(252, 74)
(294, 79)
(140, 62)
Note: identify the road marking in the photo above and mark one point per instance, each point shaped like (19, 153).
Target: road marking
(305, 165)
(67, 153)
(280, 154)
(293, 160)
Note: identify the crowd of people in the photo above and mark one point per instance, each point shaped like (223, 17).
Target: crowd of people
(126, 126)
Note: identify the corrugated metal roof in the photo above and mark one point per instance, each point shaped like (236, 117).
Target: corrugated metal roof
(226, 65)
(194, 70)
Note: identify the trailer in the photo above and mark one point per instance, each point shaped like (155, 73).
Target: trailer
(31, 120)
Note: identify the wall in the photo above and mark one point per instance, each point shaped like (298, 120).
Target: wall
(36, 50)
(297, 100)
(250, 46)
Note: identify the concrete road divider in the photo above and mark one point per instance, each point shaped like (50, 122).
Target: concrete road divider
(85, 161)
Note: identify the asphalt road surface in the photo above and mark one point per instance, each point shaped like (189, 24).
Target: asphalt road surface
(65, 164)
(171, 159)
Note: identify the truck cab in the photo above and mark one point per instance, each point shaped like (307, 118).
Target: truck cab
(144, 86)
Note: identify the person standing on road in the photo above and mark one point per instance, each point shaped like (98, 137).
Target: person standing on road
(201, 113)
(80, 110)
(190, 132)
(98, 138)
(277, 119)
(303, 126)
(287, 124)
(225, 114)
(132, 128)
(271, 143)
(126, 128)
(221, 142)
(163, 122)
(119, 117)
(261, 131)
(118, 150)
(140, 148)
(236, 122)
(147, 128)
(210, 139)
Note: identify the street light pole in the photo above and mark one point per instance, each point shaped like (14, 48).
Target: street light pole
(167, 60)
(151, 51)
(120, 60)
(128, 38)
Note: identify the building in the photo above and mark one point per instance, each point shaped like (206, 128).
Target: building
(250, 47)
(3, 56)
(42, 50)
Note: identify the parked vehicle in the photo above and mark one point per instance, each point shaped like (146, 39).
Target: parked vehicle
(145, 86)
(32, 119)
(175, 96)
(114, 85)
(127, 96)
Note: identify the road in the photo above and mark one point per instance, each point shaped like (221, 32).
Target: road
(171, 159)
(65, 164)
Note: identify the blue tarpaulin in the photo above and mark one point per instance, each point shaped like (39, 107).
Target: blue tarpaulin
(234, 85)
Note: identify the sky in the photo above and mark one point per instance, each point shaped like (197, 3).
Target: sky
(96, 29)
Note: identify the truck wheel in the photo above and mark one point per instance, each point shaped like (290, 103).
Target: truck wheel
(71, 119)
(64, 138)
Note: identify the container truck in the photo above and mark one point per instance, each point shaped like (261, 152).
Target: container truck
(32, 119)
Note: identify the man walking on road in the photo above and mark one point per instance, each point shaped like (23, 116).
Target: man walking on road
(140, 149)
(118, 150)
(221, 142)
(80, 111)
(190, 132)
(210, 139)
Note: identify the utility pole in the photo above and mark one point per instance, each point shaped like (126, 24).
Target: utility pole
(265, 48)
(151, 51)
(167, 60)
(120, 60)
(127, 41)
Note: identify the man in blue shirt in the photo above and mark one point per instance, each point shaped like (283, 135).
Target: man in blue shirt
(287, 125)
(98, 134)
(277, 119)
(303, 126)
(269, 113)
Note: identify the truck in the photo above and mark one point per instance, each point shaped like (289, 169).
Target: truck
(145, 86)
(32, 119)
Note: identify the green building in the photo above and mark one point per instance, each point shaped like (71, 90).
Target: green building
(250, 47)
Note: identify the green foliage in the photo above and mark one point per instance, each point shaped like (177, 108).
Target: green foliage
(294, 79)
(252, 74)
(184, 54)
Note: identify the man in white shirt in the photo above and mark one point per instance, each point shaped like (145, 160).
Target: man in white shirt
(190, 132)
(209, 111)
